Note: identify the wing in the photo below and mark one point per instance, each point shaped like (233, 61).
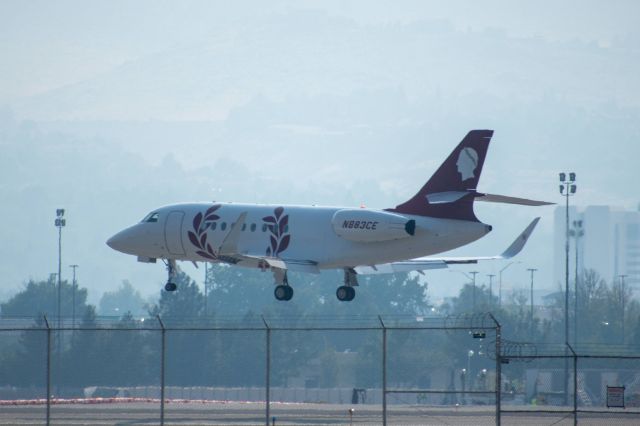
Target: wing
(254, 261)
(426, 263)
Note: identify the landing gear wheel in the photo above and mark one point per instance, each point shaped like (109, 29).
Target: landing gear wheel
(170, 287)
(283, 292)
(352, 293)
(289, 292)
(345, 294)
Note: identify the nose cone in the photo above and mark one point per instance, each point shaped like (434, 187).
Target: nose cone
(123, 241)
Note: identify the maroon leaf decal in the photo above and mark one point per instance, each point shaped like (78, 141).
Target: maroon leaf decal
(211, 218)
(204, 254)
(203, 239)
(210, 249)
(197, 220)
(194, 239)
(212, 209)
(284, 243)
(277, 224)
(283, 223)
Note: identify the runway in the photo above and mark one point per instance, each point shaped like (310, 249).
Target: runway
(253, 413)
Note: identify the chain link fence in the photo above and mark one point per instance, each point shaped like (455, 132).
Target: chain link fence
(315, 370)
(565, 384)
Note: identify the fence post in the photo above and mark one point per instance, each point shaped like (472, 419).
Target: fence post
(46, 322)
(384, 372)
(267, 372)
(498, 374)
(162, 372)
(575, 385)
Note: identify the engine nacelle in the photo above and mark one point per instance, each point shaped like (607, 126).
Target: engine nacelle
(369, 226)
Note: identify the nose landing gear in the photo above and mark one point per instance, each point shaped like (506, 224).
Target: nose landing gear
(172, 271)
(345, 294)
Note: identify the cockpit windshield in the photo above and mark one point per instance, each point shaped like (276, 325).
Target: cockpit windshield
(151, 217)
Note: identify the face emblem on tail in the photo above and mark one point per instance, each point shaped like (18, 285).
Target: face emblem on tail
(467, 163)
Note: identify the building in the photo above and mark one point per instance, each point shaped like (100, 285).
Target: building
(609, 242)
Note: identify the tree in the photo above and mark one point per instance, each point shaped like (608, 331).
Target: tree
(41, 297)
(186, 302)
(25, 364)
(125, 299)
(186, 355)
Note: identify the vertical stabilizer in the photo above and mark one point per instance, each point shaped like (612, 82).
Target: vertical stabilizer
(451, 190)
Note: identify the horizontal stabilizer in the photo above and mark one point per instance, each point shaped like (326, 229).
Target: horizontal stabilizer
(493, 198)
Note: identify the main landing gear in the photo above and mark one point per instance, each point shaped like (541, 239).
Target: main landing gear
(344, 293)
(172, 271)
(283, 290)
(347, 292)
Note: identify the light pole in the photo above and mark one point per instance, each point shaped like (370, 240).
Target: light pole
(60, 223)
(490, 289)
(622, 277)
(500, 281)
(567, 189)
(469, 355)
(474, 273)
(206, 289)
(73, 298)
(473, 280)
(532, 270)
(576, 232)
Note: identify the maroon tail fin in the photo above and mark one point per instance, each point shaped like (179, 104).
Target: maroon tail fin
(451, 190)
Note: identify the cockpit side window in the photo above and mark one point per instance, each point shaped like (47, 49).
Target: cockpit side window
(151, 217)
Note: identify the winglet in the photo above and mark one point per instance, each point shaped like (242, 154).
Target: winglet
(229, 245)
(519, 242)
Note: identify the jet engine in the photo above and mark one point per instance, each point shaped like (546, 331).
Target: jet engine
(370, 226)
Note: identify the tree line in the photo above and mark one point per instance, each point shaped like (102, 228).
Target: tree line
(127, 351)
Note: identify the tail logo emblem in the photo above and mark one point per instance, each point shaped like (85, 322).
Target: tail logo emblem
(467, 163)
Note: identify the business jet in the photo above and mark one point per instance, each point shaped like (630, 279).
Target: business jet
(282, 238)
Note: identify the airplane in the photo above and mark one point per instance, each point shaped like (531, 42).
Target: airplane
(360, 241)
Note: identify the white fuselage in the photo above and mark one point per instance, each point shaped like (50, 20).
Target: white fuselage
(306, 234)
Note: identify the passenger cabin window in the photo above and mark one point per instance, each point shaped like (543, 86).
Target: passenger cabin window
(253, 227)
(151, 217)
(223, 226)
(244, 226)
(264, 228)
(213, 226)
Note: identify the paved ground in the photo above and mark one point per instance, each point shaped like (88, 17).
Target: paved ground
(235, 413)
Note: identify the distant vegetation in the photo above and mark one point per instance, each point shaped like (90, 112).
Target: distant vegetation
(236, 296)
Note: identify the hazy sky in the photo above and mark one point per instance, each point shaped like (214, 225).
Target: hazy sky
(49, 44)
(113, 108)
